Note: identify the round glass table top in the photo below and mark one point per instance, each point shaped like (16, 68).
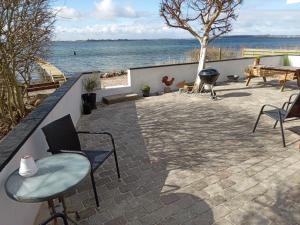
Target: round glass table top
(57, 174)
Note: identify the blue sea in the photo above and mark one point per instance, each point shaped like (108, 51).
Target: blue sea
(114, 55)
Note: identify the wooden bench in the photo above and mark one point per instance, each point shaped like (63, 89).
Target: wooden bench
(281, 73)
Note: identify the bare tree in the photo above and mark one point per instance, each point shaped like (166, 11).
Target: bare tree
(25, 32)
(213, 17)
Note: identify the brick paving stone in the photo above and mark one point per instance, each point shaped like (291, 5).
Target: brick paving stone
(219, 212)
(199, 185)
(152, 206)
(97, 218)
(226, 183)
(122, 197)
(117, 221)
(86, 213)
(169, 199)
(218, 199)
(135, 213)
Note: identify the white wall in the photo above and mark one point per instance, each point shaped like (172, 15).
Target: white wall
(152, 75)
(12, 212)
(294, 61)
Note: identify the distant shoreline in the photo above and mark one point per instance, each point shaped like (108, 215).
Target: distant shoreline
(224, 37)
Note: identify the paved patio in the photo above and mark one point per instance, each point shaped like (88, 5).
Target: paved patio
(189, 160)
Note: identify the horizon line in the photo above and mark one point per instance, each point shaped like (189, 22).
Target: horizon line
(146, 39)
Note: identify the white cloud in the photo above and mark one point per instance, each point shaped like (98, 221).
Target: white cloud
(292, 1)
(134, 30)
(138, 26)
(107, 9)
(276, 22)
(67, 13)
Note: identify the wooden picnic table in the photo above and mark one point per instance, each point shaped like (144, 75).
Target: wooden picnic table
(282, 73)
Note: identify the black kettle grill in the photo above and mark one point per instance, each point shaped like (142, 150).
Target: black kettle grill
(208, 77)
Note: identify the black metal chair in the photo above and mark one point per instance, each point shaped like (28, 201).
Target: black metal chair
(54, 217)
(62, 137)
(290, 109)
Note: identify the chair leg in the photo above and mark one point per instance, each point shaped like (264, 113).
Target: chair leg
(256, 123)
(95, 189)
(117, 164)
(282, 132)
(275, 125)
(115, 156)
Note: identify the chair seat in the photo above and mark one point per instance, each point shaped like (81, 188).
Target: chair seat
(97, 157)
(274, 113)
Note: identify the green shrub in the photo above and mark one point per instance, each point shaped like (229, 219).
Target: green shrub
(91, 84)
(286, 61)
(146, 88)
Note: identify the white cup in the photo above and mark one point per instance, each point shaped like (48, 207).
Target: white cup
(27, 166)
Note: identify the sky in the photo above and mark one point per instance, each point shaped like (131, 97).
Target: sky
(139, 19)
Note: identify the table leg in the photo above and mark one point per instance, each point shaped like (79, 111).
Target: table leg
(52, 210)
(298, 81)
(265, 79)
(283, 84)
(248, 81)
(66, 212)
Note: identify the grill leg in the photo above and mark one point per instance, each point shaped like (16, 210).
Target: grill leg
(213, 93)
(201, 87)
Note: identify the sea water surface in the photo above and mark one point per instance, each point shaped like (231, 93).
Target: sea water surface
(114, 55)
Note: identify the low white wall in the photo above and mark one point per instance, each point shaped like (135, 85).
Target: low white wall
(152, 75)
(12, 212)
(115, 90)
(294, 61)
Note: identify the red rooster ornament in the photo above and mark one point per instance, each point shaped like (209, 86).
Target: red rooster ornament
(168, 82)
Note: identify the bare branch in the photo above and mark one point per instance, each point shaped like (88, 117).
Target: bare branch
(214, 17)
(25, 31)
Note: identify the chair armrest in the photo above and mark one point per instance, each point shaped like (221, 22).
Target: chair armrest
(290, 98)
(100, 133)
(73, 152)
(88, 132)
(268, 105)
(68, 151)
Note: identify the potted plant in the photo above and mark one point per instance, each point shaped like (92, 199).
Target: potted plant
(86, 105)
(146, 90)
(286, 61)
(257, 61)
(90, 85)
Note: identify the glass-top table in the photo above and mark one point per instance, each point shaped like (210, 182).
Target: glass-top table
(57, 175)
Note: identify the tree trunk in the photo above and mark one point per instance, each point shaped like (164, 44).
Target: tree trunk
(201, 65)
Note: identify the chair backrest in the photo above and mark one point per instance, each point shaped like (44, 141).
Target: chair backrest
(294, 110)
(61, 135)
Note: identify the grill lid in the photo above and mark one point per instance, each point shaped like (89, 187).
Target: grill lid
(208, 72)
